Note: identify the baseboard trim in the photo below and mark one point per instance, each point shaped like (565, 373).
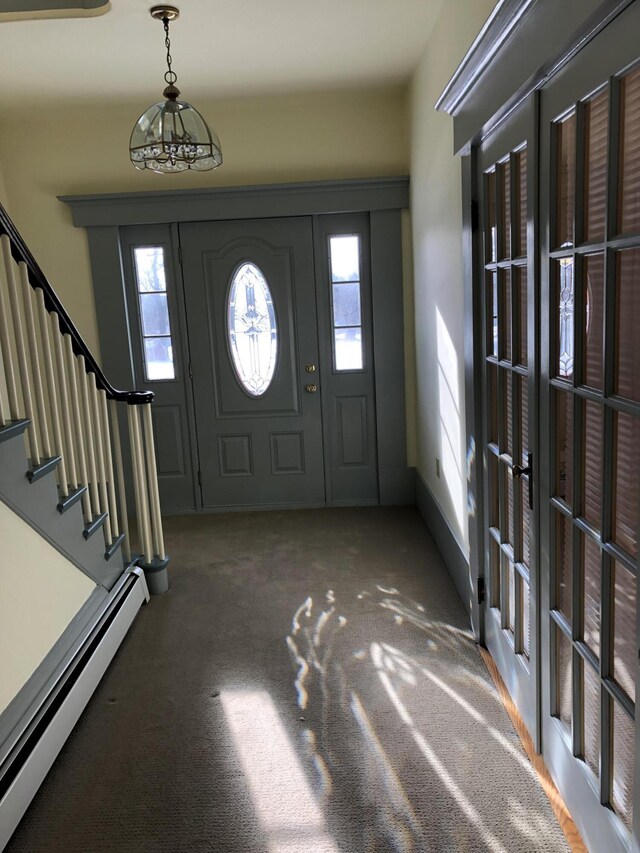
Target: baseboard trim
(35, 742)
(447, 544)
(567, 825)
(29, 698)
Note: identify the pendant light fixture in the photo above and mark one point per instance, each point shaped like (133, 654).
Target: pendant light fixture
(171, 136)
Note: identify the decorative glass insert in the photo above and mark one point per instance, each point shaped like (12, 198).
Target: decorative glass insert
(153, 307)
(346, 302)
(252, 329)
(566, 318)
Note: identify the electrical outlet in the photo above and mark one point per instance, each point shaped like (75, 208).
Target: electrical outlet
(437, 467)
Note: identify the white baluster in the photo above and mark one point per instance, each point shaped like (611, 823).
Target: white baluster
(65, 409)
(21, 350)
(139, 482)
(77, 422)
(28, 297)
(88, 431)
(99, 444)
(152, 473)
(7, 355)
(45, 334)
(4, 411)
(106, 440)
(122, 491)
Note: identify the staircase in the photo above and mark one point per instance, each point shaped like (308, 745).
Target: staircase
(75, 454)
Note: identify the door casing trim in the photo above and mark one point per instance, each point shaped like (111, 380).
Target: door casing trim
(383, 199)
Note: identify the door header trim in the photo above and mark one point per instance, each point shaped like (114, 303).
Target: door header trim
(523, 44)
(243, 202)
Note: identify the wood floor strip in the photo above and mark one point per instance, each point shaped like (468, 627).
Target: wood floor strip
(560, 810)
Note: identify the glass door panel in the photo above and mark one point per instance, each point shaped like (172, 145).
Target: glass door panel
(590, 432)
(508, 357)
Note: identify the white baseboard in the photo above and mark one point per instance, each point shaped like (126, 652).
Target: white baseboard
(40, 738)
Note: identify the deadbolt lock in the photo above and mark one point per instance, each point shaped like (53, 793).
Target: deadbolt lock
(310, 368)
(311, 389)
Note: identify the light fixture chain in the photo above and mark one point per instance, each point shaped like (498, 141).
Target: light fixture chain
(170, 76)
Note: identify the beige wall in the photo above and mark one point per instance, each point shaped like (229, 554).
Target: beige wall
(3, 190)
(438, 272)
(40, 593)
(83, 149)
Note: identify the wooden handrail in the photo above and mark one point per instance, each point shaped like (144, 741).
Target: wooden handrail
(20, 252)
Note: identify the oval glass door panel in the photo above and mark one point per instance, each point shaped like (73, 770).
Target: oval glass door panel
(252, 330)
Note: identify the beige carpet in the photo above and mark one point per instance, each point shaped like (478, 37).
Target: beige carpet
(308, 684)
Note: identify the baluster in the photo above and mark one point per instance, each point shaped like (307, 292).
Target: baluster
(106, 440)
(152, 473)
(4, 411)
(64, 401)
(28, 296)
(122, 491)
(7, 356)
(45, 334)
(21, 350)
(88, 431)
(99, 445)
(140, 486)
(77, 422)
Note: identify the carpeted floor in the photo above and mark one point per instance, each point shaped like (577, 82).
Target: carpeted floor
(308, 685)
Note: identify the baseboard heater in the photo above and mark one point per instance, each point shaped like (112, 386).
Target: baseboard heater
(38, 739)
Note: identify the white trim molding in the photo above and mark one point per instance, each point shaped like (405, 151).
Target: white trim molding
(31, 747)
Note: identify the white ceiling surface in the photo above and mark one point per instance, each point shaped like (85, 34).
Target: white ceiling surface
(220, 48)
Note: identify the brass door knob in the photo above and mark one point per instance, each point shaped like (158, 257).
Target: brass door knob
(310, 368)
(311, 389)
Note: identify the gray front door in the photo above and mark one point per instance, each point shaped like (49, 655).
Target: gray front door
(251, 312)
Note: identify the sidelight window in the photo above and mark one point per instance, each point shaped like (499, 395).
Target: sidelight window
(153, 307)
(346, 302)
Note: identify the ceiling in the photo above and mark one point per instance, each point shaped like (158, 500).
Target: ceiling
(219, 48)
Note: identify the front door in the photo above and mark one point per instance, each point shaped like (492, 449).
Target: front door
(251, 312)
(507, 165)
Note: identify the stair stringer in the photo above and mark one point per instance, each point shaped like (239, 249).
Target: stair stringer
(37, 504)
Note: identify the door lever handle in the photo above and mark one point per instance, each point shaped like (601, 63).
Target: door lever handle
(520, 471)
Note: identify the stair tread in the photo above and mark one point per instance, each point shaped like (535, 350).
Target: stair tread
(94, 525)
(111, 550)
(46, 466)
(72, 498)
(13, 428)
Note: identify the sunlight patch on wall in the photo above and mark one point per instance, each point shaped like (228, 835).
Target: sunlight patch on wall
(450, 427)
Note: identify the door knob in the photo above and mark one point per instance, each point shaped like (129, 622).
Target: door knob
(311, 389)
(310, 368)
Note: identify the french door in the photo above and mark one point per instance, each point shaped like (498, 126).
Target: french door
(561, 405)
(590, 431)
(506, 181)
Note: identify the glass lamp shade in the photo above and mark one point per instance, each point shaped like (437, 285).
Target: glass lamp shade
(172, 136)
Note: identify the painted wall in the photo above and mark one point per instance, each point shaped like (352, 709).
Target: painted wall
(322, 135)
(4, 201)
(438, 270)
(40, 593)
